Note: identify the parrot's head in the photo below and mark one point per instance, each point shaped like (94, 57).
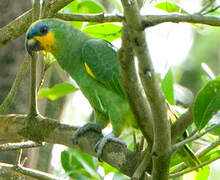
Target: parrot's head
(41, 36)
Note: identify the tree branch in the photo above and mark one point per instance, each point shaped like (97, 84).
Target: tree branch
(192, 169)
(146, 20)
(16, 127)
(20, 145)
(19, 77)
(33, 67)
(199, 155)
(28, 172)
(20, 25)
(196, 136)
(152, 20)
(101, 18)
(181, 124)
(138, 102)
(162, 136)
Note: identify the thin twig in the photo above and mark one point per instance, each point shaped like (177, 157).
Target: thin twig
(19, 77)
(143, 165)
(192, 169)
(34, 58)
(30, 172)
(182, 143)
(205, 7)
(101, 18)
(199, 154)
(18, 159)
(21, 145)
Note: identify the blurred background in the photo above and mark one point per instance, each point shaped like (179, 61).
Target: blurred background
(187, 49)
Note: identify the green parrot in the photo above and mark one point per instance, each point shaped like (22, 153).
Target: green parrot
(94, 65)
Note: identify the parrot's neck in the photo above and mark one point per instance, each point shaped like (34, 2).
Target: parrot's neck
(68, 52)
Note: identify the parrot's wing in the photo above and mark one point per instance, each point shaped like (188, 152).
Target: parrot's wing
(101, 63)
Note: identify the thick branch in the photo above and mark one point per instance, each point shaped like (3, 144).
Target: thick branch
(139, 105)
(162, 134)
(17, 127)
(20, 25)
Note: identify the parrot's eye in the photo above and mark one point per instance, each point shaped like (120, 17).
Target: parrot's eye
(44, 30)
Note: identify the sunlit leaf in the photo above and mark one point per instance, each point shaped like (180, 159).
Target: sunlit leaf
(90, 6)
(86, 161)
(79, 165)
(106, 31)
(83, 6)
(210, 155)
(107, 168)
(119, 176)
(57, 91)
(167, 87)
(207, 103)
(203, 174)
(169, 7)
(65, 161)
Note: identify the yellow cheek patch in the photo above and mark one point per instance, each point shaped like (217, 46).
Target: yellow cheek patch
(46, 41)
(89, 71)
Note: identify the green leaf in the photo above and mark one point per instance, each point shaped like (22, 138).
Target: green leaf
(84, 6)
(107, 168)
(106, 31)
(57, 91)
(207, 103)
(90, 6)
(78, 175)
(203, 173)
(87, 161)
(65, 161)
(167, 87)
(169, 7)
(79, 165)
(210, 155)
(119, 176)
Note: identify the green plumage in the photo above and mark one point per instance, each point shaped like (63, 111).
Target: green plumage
(74, 50)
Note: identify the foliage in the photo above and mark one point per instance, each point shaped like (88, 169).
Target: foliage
(206, 106)
(82, 166)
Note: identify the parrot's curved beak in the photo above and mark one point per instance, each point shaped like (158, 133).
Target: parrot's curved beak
(32, 45)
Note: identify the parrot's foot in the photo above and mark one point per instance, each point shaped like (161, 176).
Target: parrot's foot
(82, 130)
(104, 141)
